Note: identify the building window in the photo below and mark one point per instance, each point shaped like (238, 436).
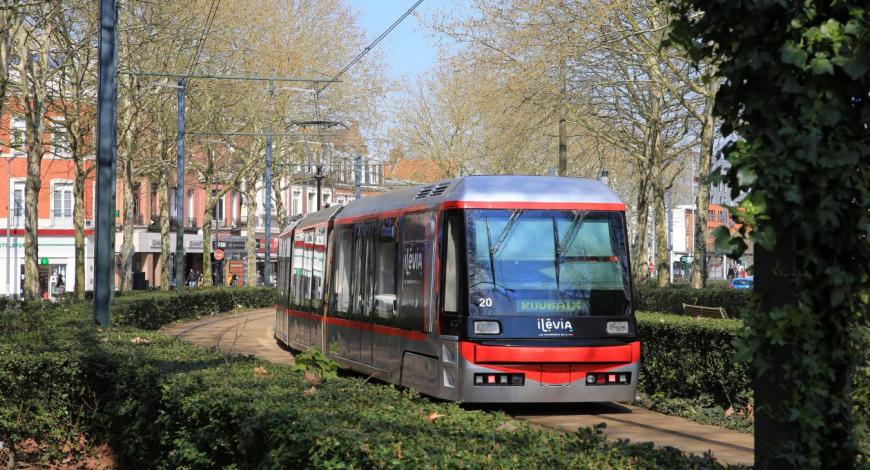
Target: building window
(18, 134)
(62, 205)
(218, 211)
(137, 209)
(17, 204)
(191, 217)
(297, 203)
(312, 205)
(59, 140)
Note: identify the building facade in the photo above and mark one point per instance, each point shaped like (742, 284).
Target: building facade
(55, 233)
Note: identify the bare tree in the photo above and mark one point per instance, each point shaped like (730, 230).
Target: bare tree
(33, 47)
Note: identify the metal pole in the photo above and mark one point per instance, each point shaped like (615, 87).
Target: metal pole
(179, 194)
(357, 175)
(106, 127)
(267, 203)
(318, 176)
(8, 216)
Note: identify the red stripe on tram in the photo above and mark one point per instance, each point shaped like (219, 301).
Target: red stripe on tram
(587, 206)
(358, 325)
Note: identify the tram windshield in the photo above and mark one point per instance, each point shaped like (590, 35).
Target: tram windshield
(547, 262)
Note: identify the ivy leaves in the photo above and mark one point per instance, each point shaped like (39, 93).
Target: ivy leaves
(795, 100)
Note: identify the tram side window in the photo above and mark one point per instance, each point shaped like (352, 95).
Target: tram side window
(385, 284)
(318, 258)
(296, 269)
(307, 262)
(341, 291)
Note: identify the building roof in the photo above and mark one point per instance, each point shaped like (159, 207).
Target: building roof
(414, 171)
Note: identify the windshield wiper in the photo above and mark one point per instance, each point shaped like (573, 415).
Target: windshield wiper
(557, 246)
(573, 230)
(490, 250)
(506, 231)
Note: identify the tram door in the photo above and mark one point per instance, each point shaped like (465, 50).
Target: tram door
(365, 238)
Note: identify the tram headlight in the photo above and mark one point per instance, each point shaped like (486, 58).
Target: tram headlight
(487, 328)
(617, 327)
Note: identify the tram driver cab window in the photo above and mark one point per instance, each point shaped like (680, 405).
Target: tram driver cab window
(451, 263)
(385, 306)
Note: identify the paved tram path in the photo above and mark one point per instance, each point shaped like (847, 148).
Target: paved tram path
(251, 333)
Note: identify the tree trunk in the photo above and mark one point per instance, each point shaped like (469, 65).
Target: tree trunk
(206, 241)
(165, 265)
(251, 228)
(662, 259)
(699, 259)
(563, 112)
(641, 250)
(79, 226)
(31, 213)
(33, 93)
(129, 220)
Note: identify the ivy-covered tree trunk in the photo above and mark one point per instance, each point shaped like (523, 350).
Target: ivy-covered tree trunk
(702, 200)
(794, 100)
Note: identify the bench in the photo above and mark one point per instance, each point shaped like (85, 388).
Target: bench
(700, 311)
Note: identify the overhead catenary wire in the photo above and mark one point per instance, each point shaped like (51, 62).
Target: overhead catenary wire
(209, 20)
(372, 45)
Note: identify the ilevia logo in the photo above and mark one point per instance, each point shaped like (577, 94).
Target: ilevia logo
(560, 327)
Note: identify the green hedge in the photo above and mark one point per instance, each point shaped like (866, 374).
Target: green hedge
(686, 357)
(694, 358)
(164, 403)
(154, 309)
(671, 299)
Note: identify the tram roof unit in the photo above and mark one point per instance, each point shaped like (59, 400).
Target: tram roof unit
(475, 189)
(314, 218)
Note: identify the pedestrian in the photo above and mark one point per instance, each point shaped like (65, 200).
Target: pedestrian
(742, 271)
(731, 272)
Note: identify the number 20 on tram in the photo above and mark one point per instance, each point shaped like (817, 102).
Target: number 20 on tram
(479, 289)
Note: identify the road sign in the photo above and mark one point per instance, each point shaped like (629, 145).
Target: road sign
(218, 254)
(43, 261)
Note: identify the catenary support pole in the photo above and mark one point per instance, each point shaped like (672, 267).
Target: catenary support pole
(106, 149)
(179, 194)
(318, 175)
(267, 205)
(9, 204)
(357, 175)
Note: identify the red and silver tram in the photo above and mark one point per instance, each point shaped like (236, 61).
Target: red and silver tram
(477, 289)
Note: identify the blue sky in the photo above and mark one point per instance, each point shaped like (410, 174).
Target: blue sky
(408, 50)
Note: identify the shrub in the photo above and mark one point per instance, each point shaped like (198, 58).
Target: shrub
(686, 357)
(671, 299)
(164, 403)
(154, 309)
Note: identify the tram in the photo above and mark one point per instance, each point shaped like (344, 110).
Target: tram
(478, 289)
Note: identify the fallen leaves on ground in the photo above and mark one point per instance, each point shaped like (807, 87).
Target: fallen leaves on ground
(311, 378)
(261, 372)
(729, 412)
(506, 426)
(310, 392)
(433, 416)
(140, 340)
